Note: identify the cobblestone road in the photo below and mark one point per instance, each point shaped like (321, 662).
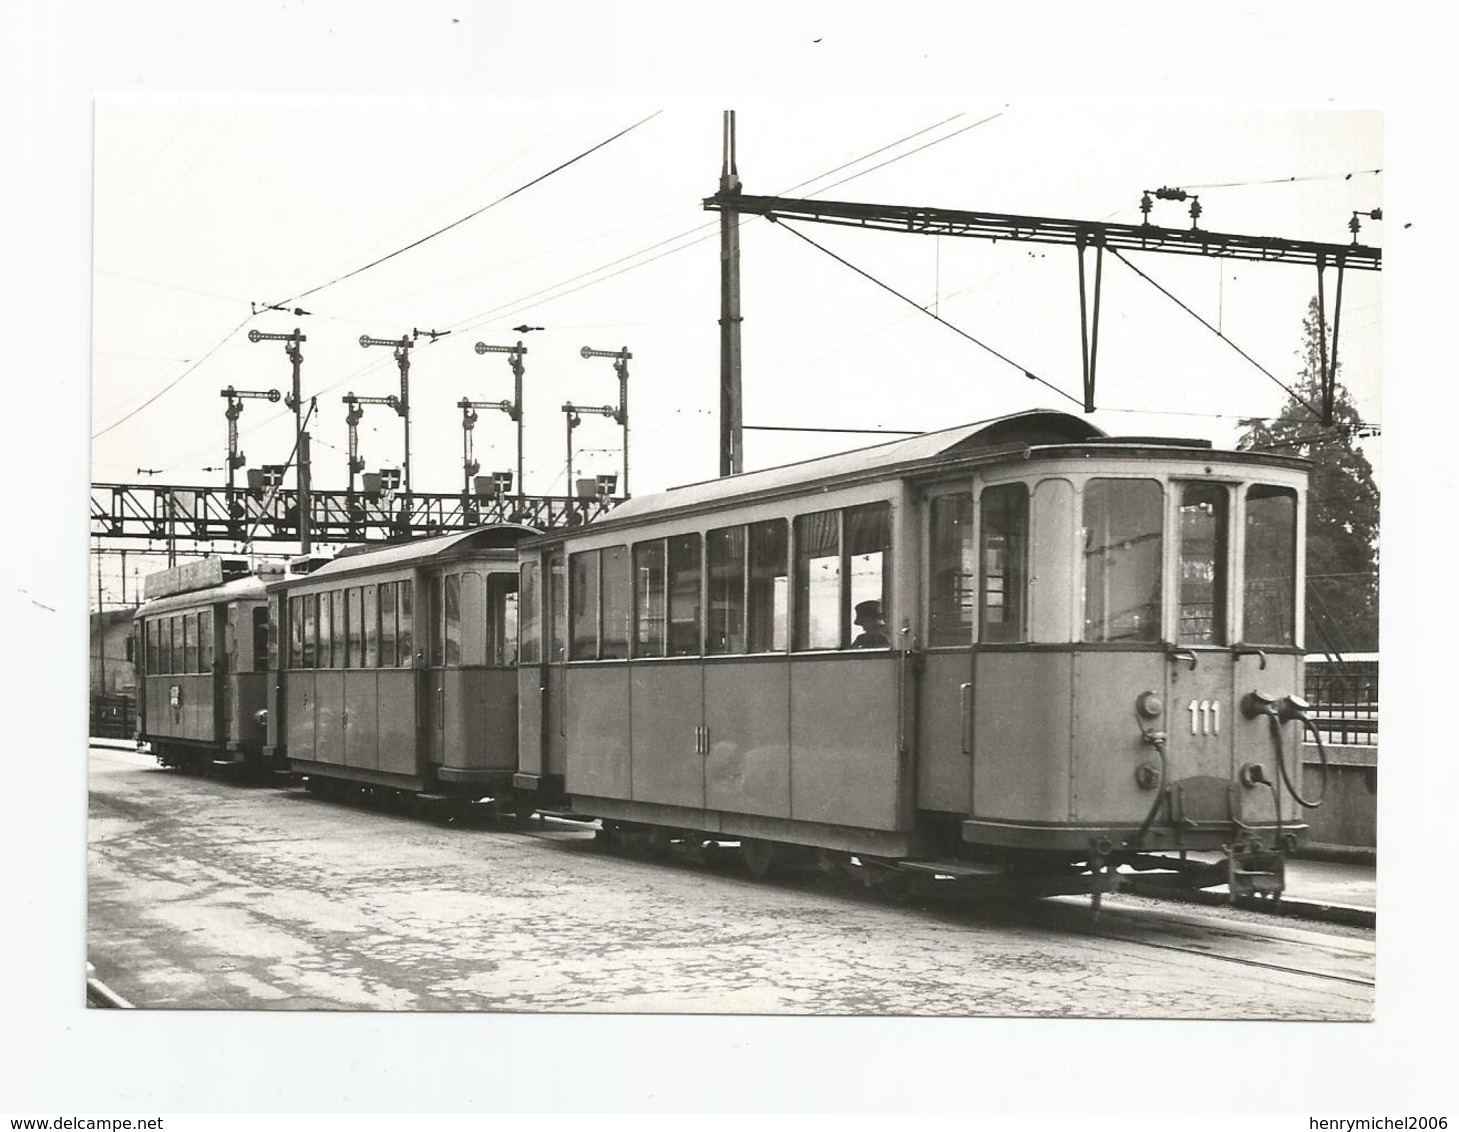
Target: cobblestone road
(206, 894)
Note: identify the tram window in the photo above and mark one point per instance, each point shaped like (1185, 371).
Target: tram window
(436, 644)
(324, 658)
(189, 643)
(366, 612)
(205, 641)
(1269, 594)
(311, 605)
(1003, 592)
(230, 639)
(338, 635)
(132, 657)
(273, 636)
(262, 638)
(768, 588)
(453, 621)
(1122, 535)
(684, 587)
(501, 601)
(952, 564)
(387, 625)
(169, 654)
(582, 603)
(650, 594)
(726, 553)
(354, 627)
(154, 657)
(296, 632)
(818, 580)
(473, 620)
(530, 626)
(868, 543)
(617, 585)
(405, 615)
(1202, 573)
(556, 605)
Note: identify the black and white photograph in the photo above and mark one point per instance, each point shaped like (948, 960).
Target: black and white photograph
(610, 563)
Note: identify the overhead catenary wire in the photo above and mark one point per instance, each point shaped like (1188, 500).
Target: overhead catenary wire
(472, 215)
(1028, 373)
(709, 228)
(173, 383)
(1169, 295)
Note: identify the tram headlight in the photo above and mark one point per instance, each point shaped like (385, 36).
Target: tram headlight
(1149, 705)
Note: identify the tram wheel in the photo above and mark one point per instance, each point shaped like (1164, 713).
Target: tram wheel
(759, 857)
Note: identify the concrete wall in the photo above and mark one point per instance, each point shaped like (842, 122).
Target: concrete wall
(1348, 816)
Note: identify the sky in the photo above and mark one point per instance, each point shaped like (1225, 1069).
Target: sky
(204, 210)
(252, 152)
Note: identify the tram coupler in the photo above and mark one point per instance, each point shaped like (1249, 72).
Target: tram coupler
(1254, 871)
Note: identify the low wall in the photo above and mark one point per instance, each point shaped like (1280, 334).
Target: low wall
(1348, 816)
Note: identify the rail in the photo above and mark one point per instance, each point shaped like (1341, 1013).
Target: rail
(1344, 704)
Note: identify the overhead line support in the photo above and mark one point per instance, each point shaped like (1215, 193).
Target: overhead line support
(1081, 234)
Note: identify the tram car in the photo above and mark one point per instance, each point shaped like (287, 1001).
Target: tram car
(1014, 648)
(395, 667)
(200, 641)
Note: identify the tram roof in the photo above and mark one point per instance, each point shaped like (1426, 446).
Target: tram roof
(1039, 426)
(238, 589)
(495, 536)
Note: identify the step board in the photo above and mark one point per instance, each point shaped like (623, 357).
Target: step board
(959, 869)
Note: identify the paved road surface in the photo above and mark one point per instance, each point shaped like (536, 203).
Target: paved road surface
(205, 894)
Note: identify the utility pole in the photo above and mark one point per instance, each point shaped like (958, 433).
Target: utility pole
(402, 347)
(731, 435)
(620, 414)
(513, 408)
(296, 402)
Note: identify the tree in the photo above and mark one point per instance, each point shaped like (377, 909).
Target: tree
(1342, 505)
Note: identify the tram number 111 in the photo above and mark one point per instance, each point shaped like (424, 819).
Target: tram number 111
(1205, 717)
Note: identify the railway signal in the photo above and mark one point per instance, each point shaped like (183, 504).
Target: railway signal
(620, 414)
(512, 408)
(401, 346)
(295, 401)
(236, 458)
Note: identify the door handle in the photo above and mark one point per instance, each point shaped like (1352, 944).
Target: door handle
(966, 717)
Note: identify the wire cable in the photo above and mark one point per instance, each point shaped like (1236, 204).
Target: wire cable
(472, 215)
(913, 302)
(1290, 391)
(171, 384)
(710, 228)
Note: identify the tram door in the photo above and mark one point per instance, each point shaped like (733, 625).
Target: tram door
(943, 764)
(433, 676)
(1201, 708)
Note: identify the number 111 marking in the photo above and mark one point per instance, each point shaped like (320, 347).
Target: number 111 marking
(1205, 717)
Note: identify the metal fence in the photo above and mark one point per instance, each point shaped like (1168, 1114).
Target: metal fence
(113, 717)
(1344, 699)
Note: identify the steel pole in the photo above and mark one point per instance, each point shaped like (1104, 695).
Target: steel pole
(731, 434)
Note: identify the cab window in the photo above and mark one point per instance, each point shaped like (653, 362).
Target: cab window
(1003, 586)
(1123, 528)
(1202, 564)
(1269, 593)
(953, 567)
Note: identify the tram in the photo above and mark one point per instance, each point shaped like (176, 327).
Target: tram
(200, 640)
(1083, 652)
